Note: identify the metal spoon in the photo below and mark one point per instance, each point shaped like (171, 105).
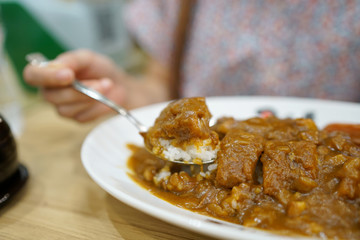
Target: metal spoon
(40, 60)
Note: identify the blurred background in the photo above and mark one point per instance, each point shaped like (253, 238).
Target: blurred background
(51, 27)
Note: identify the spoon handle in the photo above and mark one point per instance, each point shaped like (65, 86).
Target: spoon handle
(101, 98)
(40, 60)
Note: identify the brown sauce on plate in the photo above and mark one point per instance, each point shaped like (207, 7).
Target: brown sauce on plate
(279, 175)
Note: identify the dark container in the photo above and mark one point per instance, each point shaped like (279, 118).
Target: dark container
(13, 175)
(8, 152)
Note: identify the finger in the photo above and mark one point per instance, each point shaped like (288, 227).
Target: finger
(87, 64)
(52, 75)
(92, 113)
(73, 109)
(68, 95)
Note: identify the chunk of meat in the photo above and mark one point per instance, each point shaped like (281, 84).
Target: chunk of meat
(289, 166)
(352, 129)
(183, 120)
(223, 125)
(237, 158)
(349, 174)
(255, 125)
(340, 142)
(182, 126)
(272, 128)
(292, 129)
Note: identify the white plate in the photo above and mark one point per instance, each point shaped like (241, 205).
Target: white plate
(104, 155)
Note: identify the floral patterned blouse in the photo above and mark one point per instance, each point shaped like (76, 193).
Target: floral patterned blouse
(304, 48)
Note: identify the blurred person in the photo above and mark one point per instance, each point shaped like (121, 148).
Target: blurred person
(297, 48)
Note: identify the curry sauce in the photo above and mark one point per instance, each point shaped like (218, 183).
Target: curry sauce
(282, 175)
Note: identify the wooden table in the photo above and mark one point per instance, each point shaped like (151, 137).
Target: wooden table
(59, 200)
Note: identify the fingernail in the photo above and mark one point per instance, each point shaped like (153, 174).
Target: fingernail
(106, 83)
(63, 74)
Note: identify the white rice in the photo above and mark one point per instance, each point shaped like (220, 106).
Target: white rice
(202, 153)
(163, 175)
(212, 167)
(209, 169)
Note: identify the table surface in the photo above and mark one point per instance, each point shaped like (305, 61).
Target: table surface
(59, 200)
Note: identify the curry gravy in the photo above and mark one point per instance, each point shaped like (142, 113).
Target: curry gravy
(282, 175)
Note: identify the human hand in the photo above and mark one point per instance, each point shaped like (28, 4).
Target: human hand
(93, 70)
